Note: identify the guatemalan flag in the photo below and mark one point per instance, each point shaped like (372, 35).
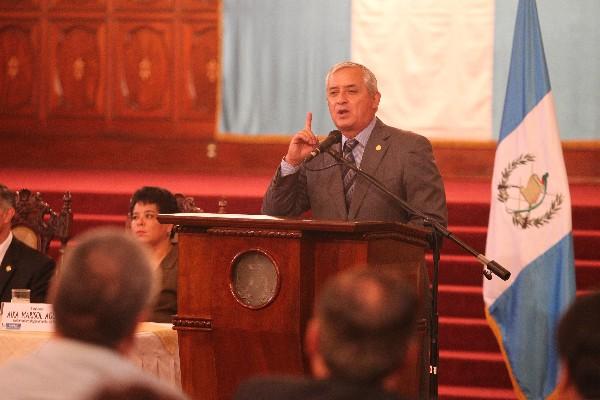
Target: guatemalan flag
(530, 219)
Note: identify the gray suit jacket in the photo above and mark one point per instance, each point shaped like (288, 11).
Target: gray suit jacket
(403, 161)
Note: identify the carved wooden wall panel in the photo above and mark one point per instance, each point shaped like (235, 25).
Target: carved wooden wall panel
(77, 68)
(144, 5)
(200, 70)
(19, 71)
(19, 4)
(111, 73)
(77, 4)
(143, 69)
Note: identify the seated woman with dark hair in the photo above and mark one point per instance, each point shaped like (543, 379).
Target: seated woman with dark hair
(144, 207)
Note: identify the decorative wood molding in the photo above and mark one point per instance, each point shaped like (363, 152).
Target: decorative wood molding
(144, 61)
(185, 323)
(401, 237)
(77, 65)
(255, 233)
(259, 159)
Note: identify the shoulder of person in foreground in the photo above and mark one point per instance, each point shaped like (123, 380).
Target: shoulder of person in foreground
(137, 391)
(302, 388)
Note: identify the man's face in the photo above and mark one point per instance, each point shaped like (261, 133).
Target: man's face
(145, 225)
(6, 215)
(350, 105)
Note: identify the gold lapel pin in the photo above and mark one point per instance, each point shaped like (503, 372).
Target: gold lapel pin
(8, 268)
(378, 147)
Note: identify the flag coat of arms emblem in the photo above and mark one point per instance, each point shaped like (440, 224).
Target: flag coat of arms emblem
(529, 230)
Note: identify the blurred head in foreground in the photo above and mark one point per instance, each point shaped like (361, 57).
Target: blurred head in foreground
(363, 325)
(579, 349)
(103, 290)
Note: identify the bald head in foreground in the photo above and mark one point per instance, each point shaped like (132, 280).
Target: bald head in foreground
(100, 295)
(356, 343)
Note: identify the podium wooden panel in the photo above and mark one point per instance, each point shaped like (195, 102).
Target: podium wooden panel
(222, 341)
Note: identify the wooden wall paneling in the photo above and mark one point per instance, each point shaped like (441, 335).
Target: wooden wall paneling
(144, 5)
(19, 4)
(66, 5)
(200, 70)
(77, 65)
(200, 5)
(143, 69)
(19, 67)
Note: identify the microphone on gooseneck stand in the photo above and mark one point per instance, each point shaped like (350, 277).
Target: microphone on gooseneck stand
(333, 138)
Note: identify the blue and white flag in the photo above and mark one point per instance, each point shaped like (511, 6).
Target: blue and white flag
(529, 229)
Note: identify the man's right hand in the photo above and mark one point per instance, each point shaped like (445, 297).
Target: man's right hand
(303, 142)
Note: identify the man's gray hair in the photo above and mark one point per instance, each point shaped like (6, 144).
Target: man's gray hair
(368, 76)
(104, 286)
(7, 197)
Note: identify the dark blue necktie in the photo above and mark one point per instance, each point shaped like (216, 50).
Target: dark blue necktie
(349, 174)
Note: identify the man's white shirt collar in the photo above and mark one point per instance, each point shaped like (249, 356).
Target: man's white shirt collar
(4, 245)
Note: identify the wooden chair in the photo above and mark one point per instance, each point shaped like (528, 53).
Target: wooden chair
(186, 204)
(36, 224)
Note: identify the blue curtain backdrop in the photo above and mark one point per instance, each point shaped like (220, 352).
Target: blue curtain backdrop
(276, 54)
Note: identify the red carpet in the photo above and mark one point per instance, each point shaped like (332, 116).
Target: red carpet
(471, 366)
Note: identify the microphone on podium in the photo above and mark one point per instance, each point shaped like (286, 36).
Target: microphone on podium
(334, 137)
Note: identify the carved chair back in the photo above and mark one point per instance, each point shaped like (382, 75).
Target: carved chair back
(36, 224)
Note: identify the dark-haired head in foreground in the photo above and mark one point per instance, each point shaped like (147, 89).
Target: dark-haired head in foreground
(363, 323)
(356, 343)
(579, 349)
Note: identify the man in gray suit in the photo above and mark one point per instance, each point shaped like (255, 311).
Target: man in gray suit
(403, 161)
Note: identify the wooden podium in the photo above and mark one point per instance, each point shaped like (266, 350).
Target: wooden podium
(247, 285)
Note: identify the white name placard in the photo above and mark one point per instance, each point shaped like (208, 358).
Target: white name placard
(33, 317)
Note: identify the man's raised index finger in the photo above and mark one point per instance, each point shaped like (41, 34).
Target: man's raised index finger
(308, 123)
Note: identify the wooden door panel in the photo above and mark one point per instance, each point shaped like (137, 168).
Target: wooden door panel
(201, 71)
(19, 72)
(143, 86)
(77, 68)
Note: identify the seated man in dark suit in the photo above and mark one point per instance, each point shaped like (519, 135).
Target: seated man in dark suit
(21, 267)
(356, 343)
(579, 349)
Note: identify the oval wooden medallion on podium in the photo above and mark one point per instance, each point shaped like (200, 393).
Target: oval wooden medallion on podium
(254, 279)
